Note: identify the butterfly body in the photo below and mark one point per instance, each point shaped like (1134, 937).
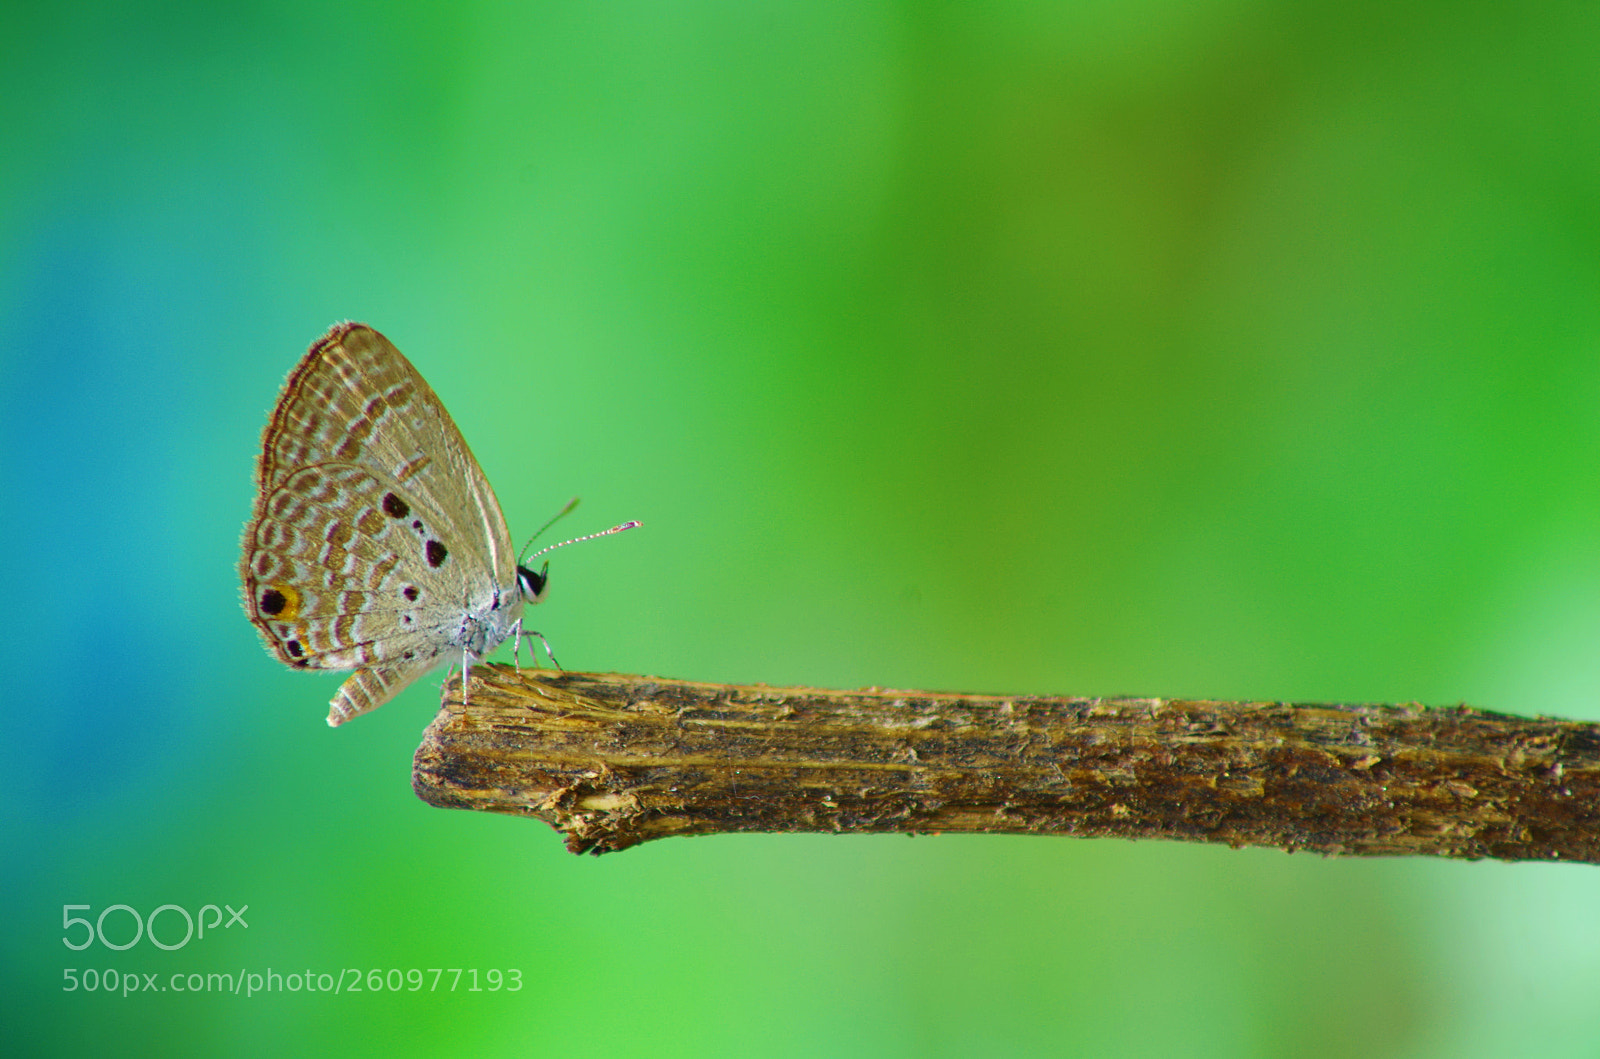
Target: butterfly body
(377, 543)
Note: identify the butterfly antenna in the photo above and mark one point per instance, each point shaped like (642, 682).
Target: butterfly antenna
(634, 524)
(553, 519)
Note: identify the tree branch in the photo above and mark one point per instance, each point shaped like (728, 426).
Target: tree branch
(612, 760)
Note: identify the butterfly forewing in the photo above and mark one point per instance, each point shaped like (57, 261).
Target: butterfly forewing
(354, 398)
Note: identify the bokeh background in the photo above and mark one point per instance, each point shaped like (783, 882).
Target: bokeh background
(1235, 349)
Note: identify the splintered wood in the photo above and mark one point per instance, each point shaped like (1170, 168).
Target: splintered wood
(613, 760)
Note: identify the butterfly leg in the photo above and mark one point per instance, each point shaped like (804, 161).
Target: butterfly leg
(516, 645)
(547, 650)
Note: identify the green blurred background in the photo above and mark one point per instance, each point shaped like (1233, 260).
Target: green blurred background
(1235, 349)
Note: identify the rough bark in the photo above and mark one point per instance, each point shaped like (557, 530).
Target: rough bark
(612, 760)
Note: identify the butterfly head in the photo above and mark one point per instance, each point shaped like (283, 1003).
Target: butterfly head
(534, 584)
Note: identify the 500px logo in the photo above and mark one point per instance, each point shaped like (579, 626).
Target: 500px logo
(146, 925)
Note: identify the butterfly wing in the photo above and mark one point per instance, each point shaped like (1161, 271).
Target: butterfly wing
(354, 398)
(376, 535)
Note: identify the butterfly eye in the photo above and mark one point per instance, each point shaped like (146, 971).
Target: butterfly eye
(534, 585)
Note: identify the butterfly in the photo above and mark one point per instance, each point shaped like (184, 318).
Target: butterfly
(377, 543)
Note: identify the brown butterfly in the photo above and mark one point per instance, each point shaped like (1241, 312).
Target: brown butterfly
(377, 543)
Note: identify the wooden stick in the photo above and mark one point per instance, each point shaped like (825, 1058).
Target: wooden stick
(612, 760)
